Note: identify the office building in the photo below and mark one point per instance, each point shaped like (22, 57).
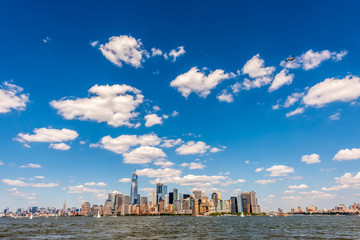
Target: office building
(175, 194)
(134, 196)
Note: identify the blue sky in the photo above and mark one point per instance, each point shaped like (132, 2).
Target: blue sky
(190, 94)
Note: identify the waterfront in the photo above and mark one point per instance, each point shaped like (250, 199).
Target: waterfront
(182, 227)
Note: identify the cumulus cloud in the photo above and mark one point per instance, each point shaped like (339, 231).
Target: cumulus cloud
(124, 180)
(289, 191)
(124, 49)
(333, 90)
(122, 144)
(48, 135)
(259, 169)
(266, 181)
(177, 53)
(19, 183)
(192, 147)
(299, 110)
(114, 105)
(94, 43)
(279, 170)
(100, 184)
(143, 154)
(317, 194)
(347, 154)
(80, 189)
(159, 173)
(156, 52)
(25, 195)
(30, 165)
(225, 96)
(196, 81)
(311, 59)
(193, 165)
(152, 119)
(167, 143)
(259, 74)
(310, 159)
(348, 180)
(301, 186)
(163, 163)
(11, 98)
(59, 146)
(215, 149)
(39, 177)
(282, 78)
(1, 163)
(175, 113)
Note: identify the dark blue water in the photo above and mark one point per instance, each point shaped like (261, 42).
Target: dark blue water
(186, 227)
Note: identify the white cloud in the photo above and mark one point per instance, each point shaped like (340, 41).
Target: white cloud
(256, 70)
(266, 181)
(225, 96)
(159, 173)
(16, 193)
(297, 111)
(290, 198)
(196, 81)
(347, 154)
(100, 184)
(94, 43)
(39, 177)
(167, 143)
(163, 163)
(192, 180)
(48, 135)
(215, 150)
(279, 170)
(293, 98)
(310, 159)
(46, 40)
(82, 189)
(124, 180)
(124, 49)
(317, 194)
(335, 116)
(236, 87)
(259, 169)
(230, 182)
(1, 163)
(333, 90)
(122, 144)
(175, 114)
(192, 147)
(289, 191)
(143, 154)
(31, 165)
(193, 165)
(114, 105)
(156, 52)
(19, 183)
(11, 99)
(156, 108)
(176, 53)
(282, 78)
(349, 178)
(301, 186)
(311, 59)
(152, 119)
(59, 146)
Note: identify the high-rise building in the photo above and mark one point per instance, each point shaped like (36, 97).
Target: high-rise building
(181, 197)
(249, 202)
(164, 190)
(197, 194)
(153, 197)
(111, 197)
(175, 191)
(185, 196)
(171, 198)
(159, 192)
(134, 197)
(234, 207)
(214, 199)
(239, 203)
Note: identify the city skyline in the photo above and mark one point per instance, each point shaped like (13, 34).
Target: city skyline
(230, 97)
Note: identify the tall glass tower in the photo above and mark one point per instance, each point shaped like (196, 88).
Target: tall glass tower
(134, 190)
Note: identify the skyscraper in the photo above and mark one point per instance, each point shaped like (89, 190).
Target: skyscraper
(234, 207)
(197, 194)
(175, 191)
(134, 190)
(171, 198)
(159, 192)
(214, 199)
(255, 208)
(249, 202)
(153, 197)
